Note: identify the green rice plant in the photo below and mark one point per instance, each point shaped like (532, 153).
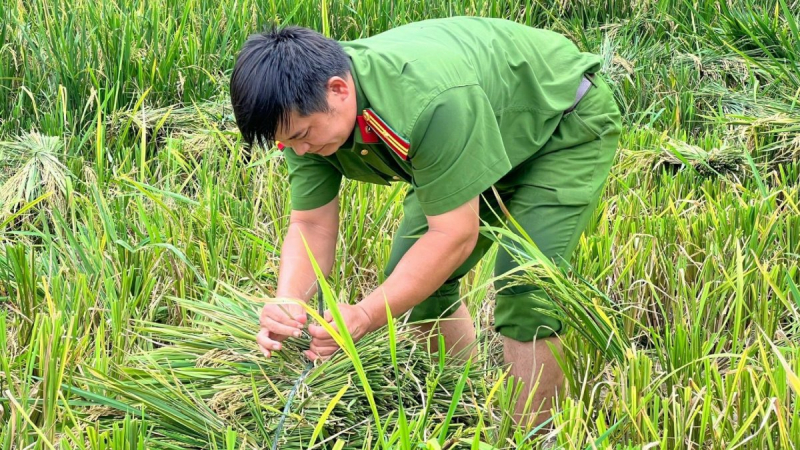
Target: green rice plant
(582, 307)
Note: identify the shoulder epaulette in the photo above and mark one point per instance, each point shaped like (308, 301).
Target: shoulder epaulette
(399, 145)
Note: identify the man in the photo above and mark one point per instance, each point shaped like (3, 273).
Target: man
(460, 108)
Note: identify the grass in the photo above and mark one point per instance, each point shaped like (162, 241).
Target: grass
(137, 236)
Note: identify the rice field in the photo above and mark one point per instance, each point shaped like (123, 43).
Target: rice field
(138, 238)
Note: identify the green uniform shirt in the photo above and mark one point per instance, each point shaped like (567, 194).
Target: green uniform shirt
(460, 102)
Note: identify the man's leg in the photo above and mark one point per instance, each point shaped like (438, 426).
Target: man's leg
(526, 332)
(555, 229)
(557, 192)
(458, 331)
(534, 365)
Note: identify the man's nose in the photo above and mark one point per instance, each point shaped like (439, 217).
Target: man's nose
(302, 149)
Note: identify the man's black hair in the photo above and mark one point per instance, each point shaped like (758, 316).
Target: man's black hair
(280, 71)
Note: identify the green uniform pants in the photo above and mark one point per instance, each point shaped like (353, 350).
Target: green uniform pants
(552, 196)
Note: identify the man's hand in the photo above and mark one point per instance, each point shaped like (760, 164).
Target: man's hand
(279, 320)
(323, 346)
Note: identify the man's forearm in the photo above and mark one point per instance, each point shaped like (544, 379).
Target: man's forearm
(296, 277)
(421, 271)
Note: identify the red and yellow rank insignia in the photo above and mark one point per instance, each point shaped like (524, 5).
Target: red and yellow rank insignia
(390, 137)
(367, 134)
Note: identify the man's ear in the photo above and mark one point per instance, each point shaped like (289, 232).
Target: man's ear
(338, 86)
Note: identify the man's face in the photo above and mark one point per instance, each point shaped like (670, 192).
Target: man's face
(324, 132)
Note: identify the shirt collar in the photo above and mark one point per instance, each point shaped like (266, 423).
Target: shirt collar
(361, 103)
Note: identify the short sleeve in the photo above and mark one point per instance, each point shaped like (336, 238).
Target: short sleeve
(313, 181)
(456, 150)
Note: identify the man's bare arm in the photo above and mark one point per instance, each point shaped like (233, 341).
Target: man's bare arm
(296, 277)
(320, 228)
(449, 241)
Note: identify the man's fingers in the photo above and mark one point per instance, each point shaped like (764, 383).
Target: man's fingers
(267, 344)
(315, 352)
(313, 356)
(280, 328)
(319, 332)
(265, 320)
(328, 316)
(323, 348)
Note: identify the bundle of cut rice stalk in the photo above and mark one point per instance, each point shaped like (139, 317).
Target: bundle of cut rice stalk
(198, 125)
(723, 160)
(777, 136)
(206, 376)
(181, 118)
(31, 166)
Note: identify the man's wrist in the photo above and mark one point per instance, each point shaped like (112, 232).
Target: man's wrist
(371, 326)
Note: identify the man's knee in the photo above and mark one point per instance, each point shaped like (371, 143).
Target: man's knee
(525, 316)
(443, 303)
